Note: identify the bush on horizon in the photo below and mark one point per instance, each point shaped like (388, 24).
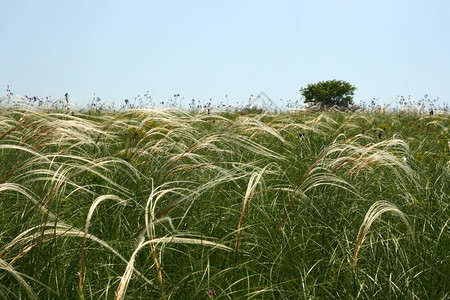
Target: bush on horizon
(329, 93)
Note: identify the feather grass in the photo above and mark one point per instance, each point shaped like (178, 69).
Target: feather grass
(374, 212)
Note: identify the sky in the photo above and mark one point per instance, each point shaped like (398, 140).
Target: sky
(224, 50)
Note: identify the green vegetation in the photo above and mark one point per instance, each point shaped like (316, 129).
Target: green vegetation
(164, 203)
(329, 93)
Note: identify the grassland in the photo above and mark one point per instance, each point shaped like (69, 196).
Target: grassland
(164, 203)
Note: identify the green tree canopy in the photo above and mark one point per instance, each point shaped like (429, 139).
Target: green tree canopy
(329, 93)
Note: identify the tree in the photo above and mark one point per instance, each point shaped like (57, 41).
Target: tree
(329, 93)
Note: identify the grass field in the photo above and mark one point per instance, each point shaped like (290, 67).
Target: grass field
(165, 203)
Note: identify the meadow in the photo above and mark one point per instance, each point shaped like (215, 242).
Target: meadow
(166, 203)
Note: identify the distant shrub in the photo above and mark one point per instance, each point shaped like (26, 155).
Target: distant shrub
(329, 93)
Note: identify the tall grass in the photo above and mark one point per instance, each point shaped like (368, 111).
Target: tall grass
(166, 203)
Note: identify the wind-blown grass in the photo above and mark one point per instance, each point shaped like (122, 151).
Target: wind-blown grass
(166, 203)
(372, 214)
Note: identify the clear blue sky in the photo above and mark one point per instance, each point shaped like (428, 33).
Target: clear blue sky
(209, 49)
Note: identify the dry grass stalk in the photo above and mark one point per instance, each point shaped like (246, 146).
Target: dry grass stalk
(252, 183)
(88, 222)
(126, 277)
(18, 276)
(372, 214)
